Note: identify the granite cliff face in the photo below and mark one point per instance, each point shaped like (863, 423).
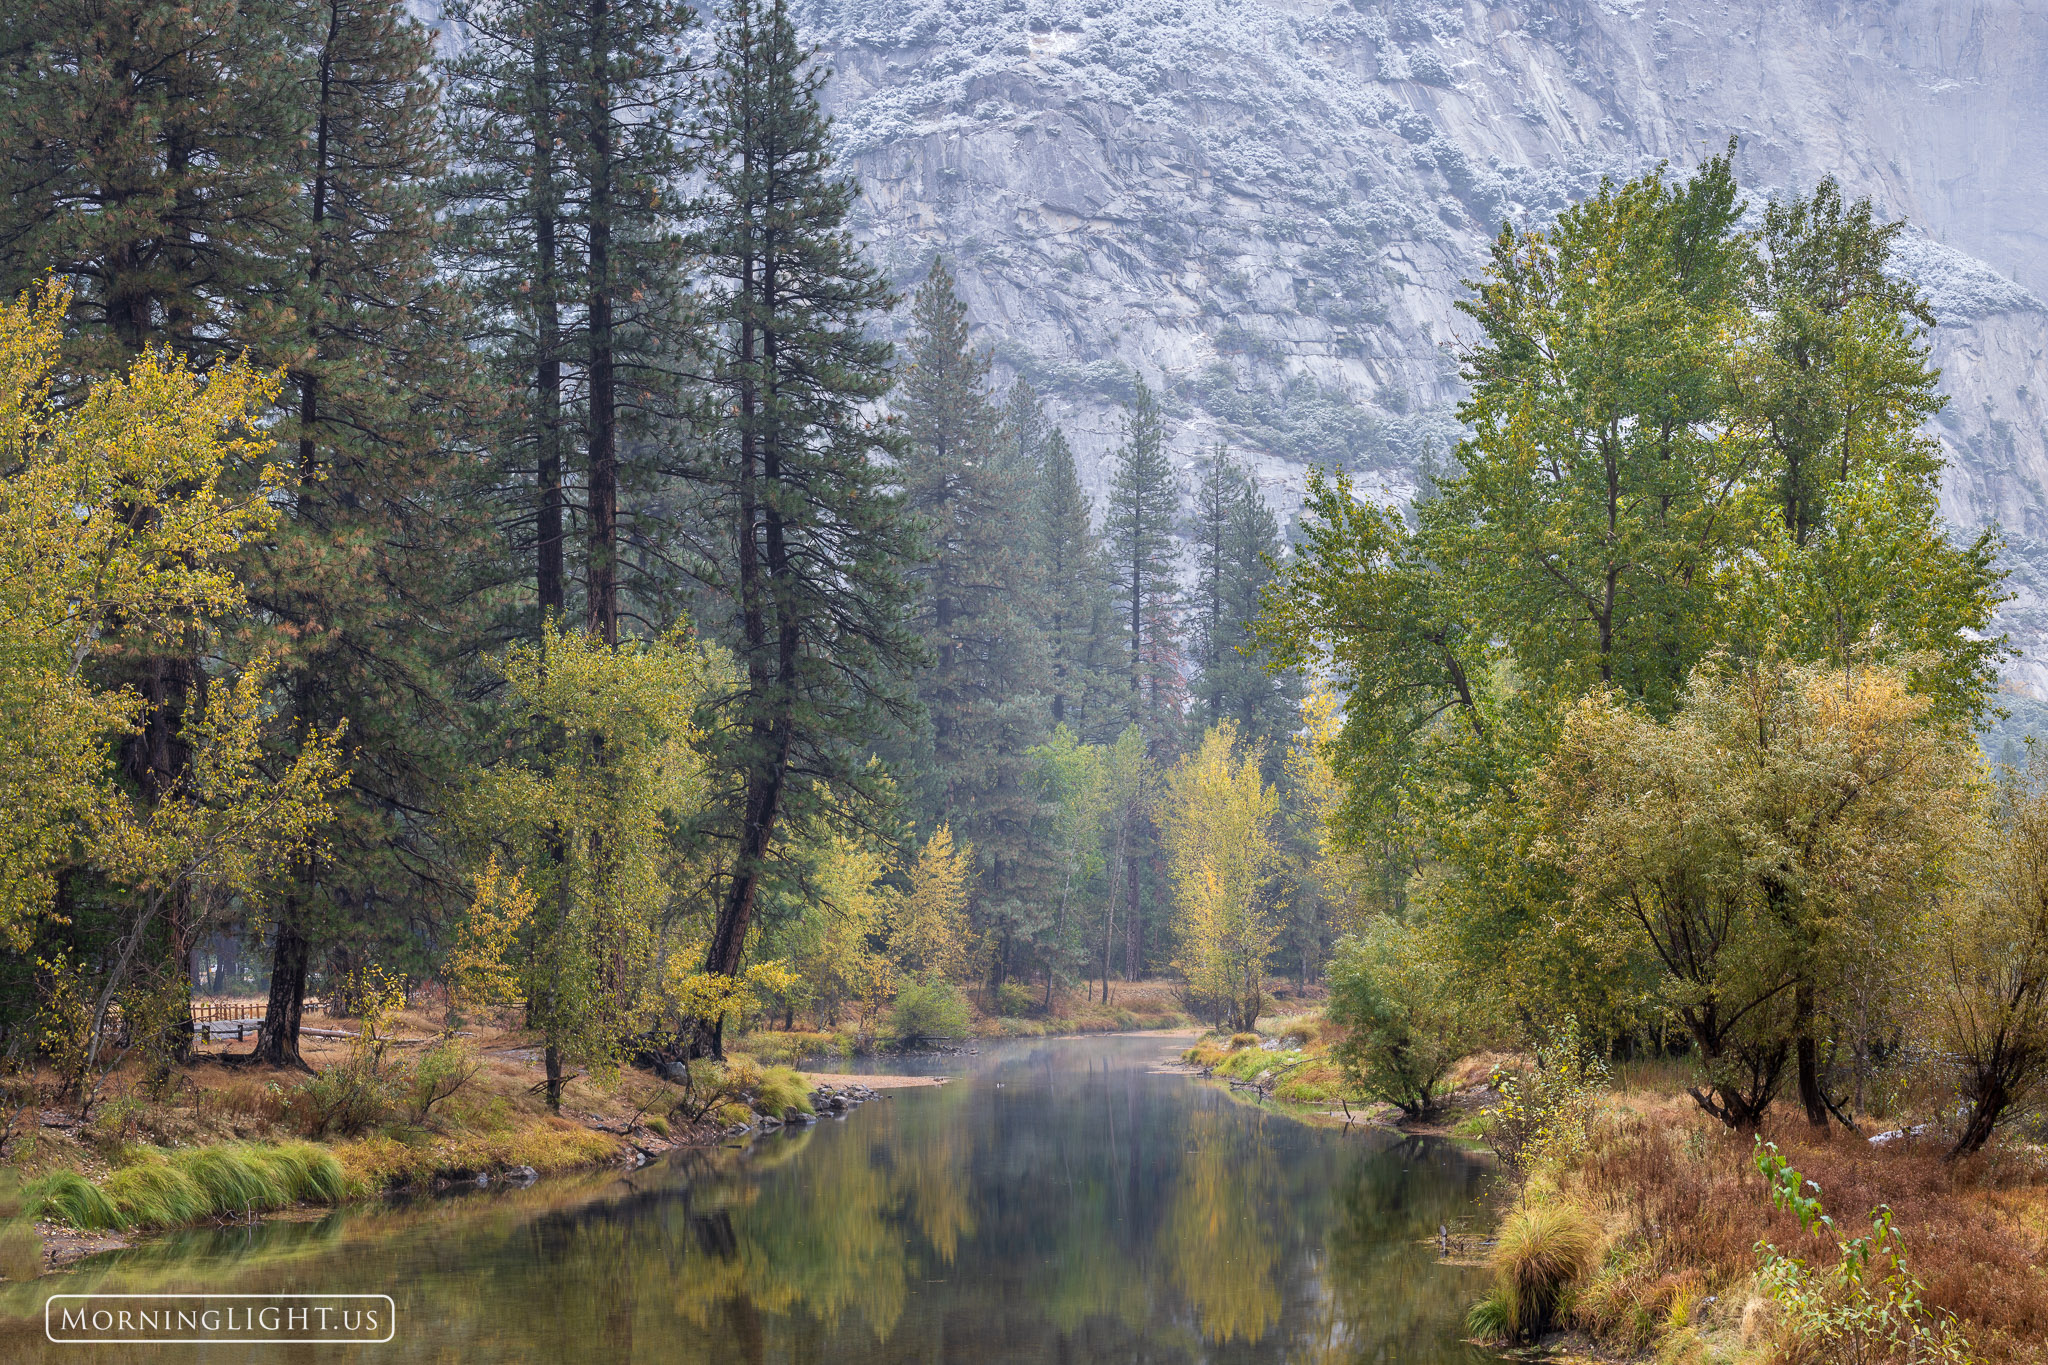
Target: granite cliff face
(1265, 207)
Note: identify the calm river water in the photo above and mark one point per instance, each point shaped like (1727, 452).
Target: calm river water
(1059, 1201)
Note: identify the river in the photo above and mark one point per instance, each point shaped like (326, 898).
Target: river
(1059, 1200)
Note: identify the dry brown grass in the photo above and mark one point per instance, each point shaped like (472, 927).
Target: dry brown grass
(1686, 1210)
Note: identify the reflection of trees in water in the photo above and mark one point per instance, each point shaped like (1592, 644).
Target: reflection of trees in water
(1080, 1211)
(1223, 1254)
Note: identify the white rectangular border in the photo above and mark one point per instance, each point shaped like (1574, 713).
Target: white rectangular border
(391, 1321)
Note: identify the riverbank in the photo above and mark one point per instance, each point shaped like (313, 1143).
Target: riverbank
(418, 1112)
(1657, 1229)
(1131, 1007)
(1631, 1227)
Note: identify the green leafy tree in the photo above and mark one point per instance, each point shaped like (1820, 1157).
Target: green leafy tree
(1220, 823)
(1074, 782)
(1407, 1015)
(602, 766)
(1777, 837)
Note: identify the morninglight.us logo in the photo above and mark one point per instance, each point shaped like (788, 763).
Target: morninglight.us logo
(193, 1319)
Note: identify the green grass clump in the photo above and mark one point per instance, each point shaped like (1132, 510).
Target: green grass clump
(165, 1189)
(68, 1197)
(1541, 1253)
(153, 1193)
(782, 1092)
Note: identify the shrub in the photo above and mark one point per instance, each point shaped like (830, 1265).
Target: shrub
(1407, 1019)
(442, 1072)
(1868, 1305)
(348, 1098)
(928, 1011)
(1014, 1001)
(1544, 1119)
(1542, 1251)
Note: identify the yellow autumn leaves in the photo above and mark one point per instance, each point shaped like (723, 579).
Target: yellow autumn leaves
(120, 513)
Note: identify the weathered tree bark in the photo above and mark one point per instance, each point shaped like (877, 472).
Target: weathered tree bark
(1810, 1096)
(277, 1041)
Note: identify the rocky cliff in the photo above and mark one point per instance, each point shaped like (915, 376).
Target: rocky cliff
(1265, 207)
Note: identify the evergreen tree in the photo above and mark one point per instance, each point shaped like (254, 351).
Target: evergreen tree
(1144, 509)
(1236, 539)
(358, 592)
(983, 692)
(567, 229)
(1071, 589)
(149, 164)
(790, 462)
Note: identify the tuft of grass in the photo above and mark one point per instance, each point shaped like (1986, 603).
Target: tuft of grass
(230, 1180)
(1542, 1251)
(153, 1193)
(782, 1092)
(159, 1189)
(68, 1197)
(1492, 1318)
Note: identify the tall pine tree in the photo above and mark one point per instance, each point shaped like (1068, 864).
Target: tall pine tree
(148, 162)
(1144, 510)
(567, 229)
(1236, 540)
(1070, 579)
(359, 594)
(792, 466)
(984, 690)
(1143, 513)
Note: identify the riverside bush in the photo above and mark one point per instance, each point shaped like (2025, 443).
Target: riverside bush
(1545, 1118)
(928, 1011)
(782, 1092)
(1866, 1307)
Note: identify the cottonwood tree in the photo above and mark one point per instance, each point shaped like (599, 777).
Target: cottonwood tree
(1073, 780)
(123, 516)
(1771, 838)
(930, 933)
(602, 765)
(791, 465)
(1986, 984)
(1218, 818)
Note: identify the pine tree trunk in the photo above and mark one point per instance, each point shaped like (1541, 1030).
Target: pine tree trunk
(553, 1058)
(549, 575)
(603, 605)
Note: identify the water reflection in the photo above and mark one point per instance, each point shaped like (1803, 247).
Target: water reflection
(1059, 1204)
